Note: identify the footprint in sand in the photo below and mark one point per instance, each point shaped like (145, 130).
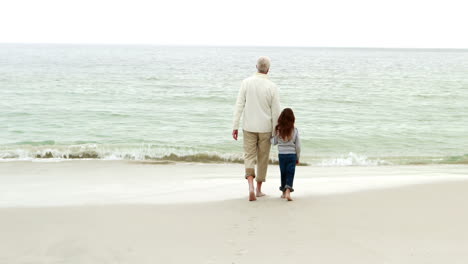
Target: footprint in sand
(252, 225)
(242, 252)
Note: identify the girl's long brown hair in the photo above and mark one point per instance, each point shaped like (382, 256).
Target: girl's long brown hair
(285, 126)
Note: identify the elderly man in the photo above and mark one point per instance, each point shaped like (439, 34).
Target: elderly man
(259, 100)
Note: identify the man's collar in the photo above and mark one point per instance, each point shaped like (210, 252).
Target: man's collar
(261, 74)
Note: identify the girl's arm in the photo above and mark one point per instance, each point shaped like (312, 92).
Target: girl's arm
(297, 143)
(274, 140)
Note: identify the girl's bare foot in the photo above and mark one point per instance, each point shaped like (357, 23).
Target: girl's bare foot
(287, 195)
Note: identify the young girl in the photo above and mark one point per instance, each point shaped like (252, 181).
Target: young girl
(289, 149)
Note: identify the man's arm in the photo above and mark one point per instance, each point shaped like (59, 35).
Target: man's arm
(238, 109)
(275, 110)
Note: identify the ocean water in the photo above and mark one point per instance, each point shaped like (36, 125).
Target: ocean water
(352, 106)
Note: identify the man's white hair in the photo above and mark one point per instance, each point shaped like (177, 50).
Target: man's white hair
(263, 64)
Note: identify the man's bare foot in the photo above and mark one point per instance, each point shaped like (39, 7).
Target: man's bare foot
(259, 189)
(251, 188)
(259, 193)
(283, 196)
(252, 196)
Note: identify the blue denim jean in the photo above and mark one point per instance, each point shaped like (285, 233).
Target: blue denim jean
(287, 163)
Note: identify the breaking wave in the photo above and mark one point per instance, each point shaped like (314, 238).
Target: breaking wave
(38, 151)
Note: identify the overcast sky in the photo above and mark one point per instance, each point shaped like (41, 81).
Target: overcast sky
(335, 23)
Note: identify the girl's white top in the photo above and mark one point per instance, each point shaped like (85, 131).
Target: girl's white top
(292, 146)
(259, 100)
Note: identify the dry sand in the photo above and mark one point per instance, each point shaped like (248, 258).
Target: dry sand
(418, 223)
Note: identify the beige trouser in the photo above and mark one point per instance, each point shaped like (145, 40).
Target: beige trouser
(256, 148)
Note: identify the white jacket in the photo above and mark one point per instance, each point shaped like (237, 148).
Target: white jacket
(259, 100)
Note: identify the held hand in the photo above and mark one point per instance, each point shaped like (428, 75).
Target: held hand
(235, 133)
(297, 162)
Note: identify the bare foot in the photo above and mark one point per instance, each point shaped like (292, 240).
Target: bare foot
(260, 194)
(251, 189)
(252, 196)
(283, 196)
(287, 195)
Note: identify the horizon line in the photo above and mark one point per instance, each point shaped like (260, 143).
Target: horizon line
(228, 45)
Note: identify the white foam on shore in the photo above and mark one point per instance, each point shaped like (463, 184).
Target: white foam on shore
(95, 183)
(352, 159)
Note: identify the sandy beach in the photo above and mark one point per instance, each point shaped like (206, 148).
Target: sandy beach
(79, 212)
(129, 132)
